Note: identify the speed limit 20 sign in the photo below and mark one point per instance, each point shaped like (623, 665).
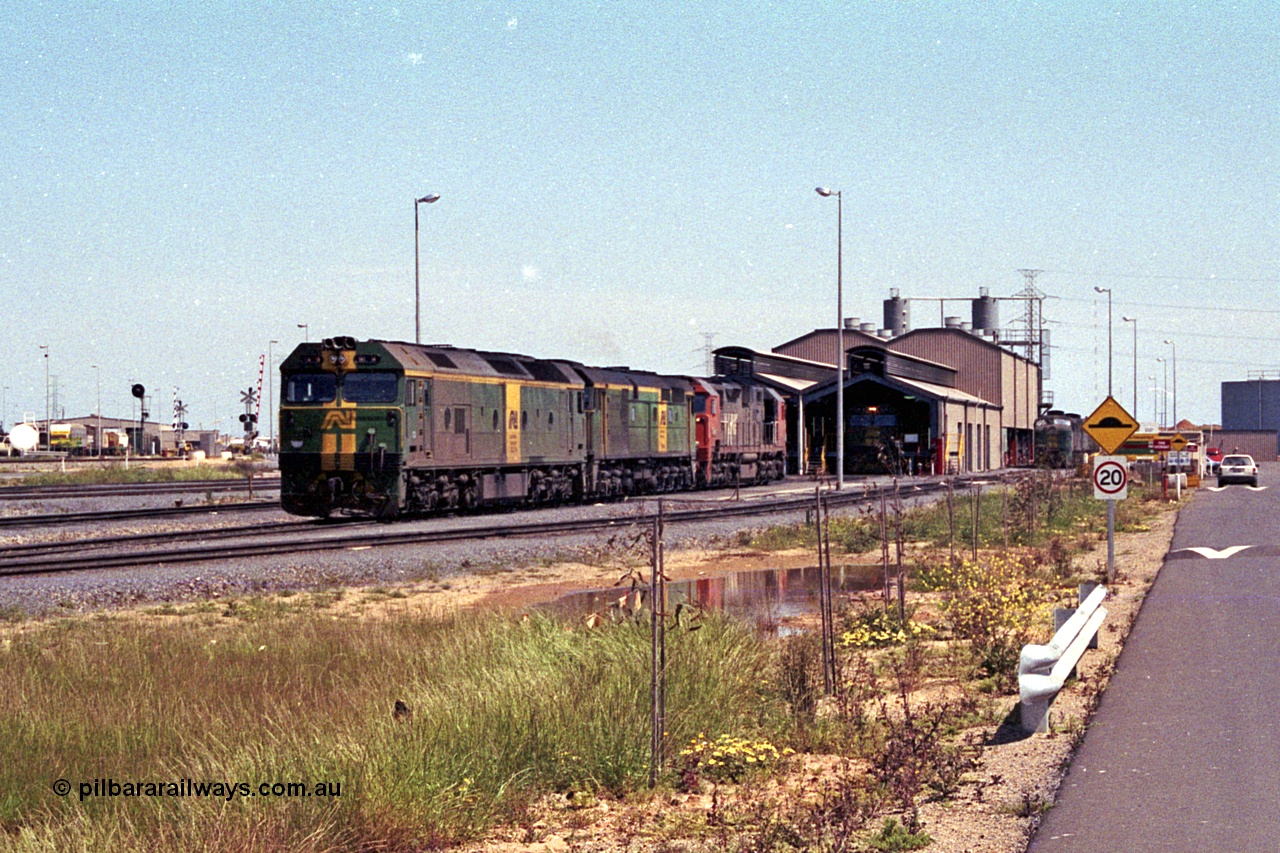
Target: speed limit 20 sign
(1110, 478)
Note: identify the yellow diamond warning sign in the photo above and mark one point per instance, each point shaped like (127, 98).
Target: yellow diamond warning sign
(1178, 443)
(1110, 425)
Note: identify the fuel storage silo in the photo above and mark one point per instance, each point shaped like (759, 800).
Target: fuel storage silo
(986, 312)
(897, 313)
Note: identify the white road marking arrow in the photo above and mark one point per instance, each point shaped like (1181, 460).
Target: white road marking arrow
(1211, 554)
(1216, 488)
(1256, 488)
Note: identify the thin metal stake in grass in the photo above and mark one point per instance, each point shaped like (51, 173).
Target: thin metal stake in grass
(831, 619)
(824, 593)
(951, 519)
(884, 549)
(977, 517)
(658, 661)
(899, 543)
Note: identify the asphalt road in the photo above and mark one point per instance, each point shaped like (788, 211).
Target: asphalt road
(1184, 751)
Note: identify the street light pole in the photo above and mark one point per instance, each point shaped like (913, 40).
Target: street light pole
(826, 193)
(1107, 291)
(1164, 394)
(271, 394)
(1175, 382)
(429, 198)
(1155, 401)
(1134, 321)
(48, 435)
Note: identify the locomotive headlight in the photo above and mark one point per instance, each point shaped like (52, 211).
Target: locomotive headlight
(333, 359)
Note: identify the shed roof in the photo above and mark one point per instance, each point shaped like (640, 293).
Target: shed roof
(939, 393)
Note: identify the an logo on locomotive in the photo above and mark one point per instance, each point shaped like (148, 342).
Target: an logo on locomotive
(343, 419)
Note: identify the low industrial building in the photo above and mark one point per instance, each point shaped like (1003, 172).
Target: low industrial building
(87, 435)
(942, 400)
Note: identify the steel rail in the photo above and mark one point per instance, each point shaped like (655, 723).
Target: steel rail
(168, 536)
(49, 519)
(111, 490)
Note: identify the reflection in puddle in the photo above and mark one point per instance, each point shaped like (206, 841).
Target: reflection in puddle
(772, 597)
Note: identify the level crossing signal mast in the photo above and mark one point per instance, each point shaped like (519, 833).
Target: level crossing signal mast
(250, 417)
(140, 391)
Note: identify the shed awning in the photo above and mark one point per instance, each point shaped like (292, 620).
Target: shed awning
(800, 385)
(907, 386)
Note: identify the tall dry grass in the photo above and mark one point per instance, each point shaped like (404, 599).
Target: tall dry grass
(501, 712)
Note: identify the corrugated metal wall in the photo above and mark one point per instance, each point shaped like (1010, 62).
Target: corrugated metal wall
(1262, 446)
(820, 345)
(977, 363)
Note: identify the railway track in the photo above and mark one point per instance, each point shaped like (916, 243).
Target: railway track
(61, 518)
(114, 490)
(297, 537)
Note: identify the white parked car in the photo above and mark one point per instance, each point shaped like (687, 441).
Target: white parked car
(1237, 468)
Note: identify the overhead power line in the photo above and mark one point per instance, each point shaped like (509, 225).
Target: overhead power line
(1234, 309)
(1208, 278)
(1181, 358)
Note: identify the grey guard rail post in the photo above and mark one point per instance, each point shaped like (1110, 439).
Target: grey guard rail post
(1042, 670)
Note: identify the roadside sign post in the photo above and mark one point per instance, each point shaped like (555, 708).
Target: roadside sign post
(1110, 425)
(1111, 484)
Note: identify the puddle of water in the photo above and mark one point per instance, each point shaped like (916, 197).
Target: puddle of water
(771, 597)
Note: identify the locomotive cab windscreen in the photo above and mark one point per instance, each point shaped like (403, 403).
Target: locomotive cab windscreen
(303, 388)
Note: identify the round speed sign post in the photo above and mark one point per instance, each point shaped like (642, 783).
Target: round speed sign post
(1111, 484)
(1110, 425)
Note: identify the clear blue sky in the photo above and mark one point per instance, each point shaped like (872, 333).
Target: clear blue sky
(185, 182)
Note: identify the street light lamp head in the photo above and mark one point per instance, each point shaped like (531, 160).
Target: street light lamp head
(429, 198)
(1101, 289)
(1130, 319)
(824, 192)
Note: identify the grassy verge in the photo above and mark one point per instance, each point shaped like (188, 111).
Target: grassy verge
(1038, 512)
(494, 714)
(118, 474)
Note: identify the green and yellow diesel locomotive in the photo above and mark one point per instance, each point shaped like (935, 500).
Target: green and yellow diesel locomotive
(384, 428)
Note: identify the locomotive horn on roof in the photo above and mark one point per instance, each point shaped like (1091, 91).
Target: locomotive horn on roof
(339, 342)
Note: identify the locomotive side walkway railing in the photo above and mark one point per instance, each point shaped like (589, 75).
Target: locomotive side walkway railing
(1042, 670)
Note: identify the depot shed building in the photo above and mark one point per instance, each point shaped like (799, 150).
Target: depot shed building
(934, 400)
